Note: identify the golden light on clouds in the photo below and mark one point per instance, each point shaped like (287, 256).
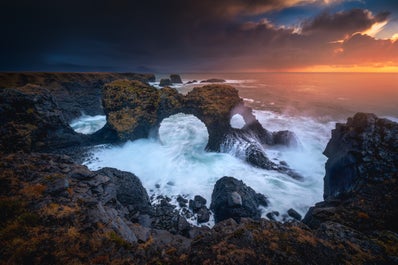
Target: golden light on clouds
(375, 29)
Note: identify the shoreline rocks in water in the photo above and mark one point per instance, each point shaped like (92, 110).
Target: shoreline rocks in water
(213, 80)
(231, 198)
(55, 211)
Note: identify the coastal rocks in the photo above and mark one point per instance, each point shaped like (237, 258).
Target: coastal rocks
(175, 79)
(360, 187)
(135, 110)
(363, 149)
(75, 93)
(231, 198)
(131, 108)
(165, 82)
(198, 206)
(31, 121)
(129, 190)
(213, 80)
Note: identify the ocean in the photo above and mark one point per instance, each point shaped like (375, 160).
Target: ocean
(309, 104)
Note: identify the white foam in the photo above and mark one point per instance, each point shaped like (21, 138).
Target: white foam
(237, 121)
(87, 124)
(177, 164)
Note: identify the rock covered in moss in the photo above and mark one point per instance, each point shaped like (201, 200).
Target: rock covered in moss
(75, 93)
(31, 121)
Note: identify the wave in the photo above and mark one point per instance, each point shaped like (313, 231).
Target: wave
(177, 164)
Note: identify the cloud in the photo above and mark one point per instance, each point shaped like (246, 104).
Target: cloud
(341, 24)
(176, 35)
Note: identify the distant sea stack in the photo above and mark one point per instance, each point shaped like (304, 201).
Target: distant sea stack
(213, 80)
(175, 79)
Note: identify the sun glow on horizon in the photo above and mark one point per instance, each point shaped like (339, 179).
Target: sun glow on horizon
(349, 69)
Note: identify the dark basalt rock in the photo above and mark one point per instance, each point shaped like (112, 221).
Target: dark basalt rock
(31, 121)
(129, 190)
(165, 82)
(213, 80)
(231, 198)
(134, 110)
(75, 93)
(365, 148)
(294, 214)
(175, 79)
(360, 188)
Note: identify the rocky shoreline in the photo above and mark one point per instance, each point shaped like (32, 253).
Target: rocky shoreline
(54, 210)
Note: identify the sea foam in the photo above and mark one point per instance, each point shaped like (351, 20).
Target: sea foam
(177, 164)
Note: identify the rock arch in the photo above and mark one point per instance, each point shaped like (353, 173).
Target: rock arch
(135, 109)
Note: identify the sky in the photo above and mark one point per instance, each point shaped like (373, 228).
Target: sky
(164, 36)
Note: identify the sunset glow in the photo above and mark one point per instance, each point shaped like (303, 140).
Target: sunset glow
(202, 36)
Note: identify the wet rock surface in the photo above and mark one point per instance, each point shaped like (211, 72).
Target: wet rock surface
(75, 93)
(31, 120)
(231, 198)
(54, 211)
(360, 187)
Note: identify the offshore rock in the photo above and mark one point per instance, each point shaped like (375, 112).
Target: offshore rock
(231, 198)
(213, 80)
(165, 82)
(175, 79)
(360, 187)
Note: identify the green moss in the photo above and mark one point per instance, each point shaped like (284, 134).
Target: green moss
(118, 240)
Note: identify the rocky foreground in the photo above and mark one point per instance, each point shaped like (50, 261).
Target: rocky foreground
(54, 211)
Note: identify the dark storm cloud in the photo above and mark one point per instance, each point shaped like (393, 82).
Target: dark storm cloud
(344, 22)
(159, 35)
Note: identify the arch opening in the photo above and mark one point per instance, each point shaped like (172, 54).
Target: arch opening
(237, 121)
(184, 131)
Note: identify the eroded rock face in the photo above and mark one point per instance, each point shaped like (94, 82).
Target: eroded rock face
(134, 110)
(31, 120)
(75, 93)
(365, 148)
(231, 198)
(360, 187)
(175, 79)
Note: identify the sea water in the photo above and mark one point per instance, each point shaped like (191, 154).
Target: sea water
(176, 162)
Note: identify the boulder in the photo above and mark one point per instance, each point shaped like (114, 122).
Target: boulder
(129, 190)
(175, 79)
(231, 198)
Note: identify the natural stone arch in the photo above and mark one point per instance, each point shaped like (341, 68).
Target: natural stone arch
(135, 109)
(183, 127)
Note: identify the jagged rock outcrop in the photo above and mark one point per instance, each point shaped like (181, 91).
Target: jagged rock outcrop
(74, 92)
(53, 211)
(231, 198)
(165, 82)
(30, 120)
(134, 110)
(175, 79)
(360, 187)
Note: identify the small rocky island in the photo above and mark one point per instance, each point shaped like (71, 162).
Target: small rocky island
(54, 210)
